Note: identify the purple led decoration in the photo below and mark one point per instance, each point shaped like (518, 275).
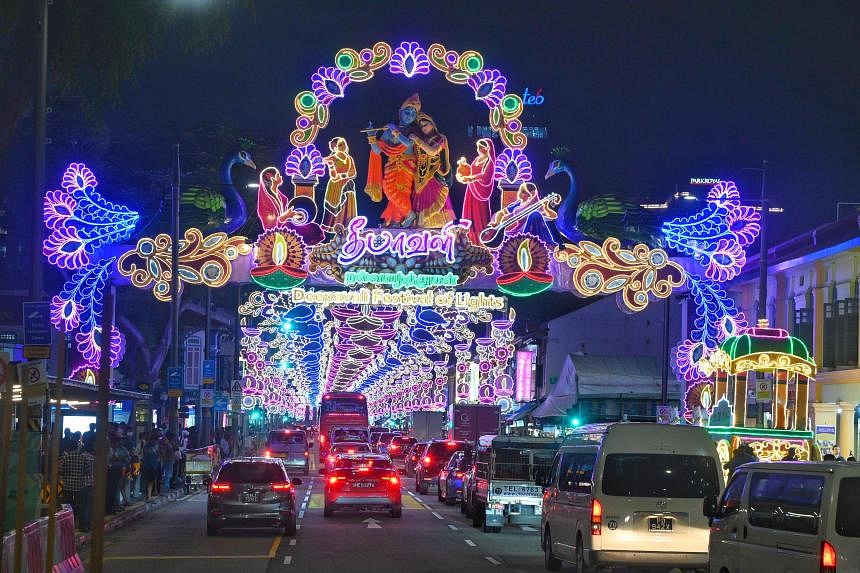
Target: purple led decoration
(81, 220)
(489, 87)
(305, 163)
(409, 59)
(328, 84)
(512, 167)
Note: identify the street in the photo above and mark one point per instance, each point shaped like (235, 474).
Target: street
(430, 537)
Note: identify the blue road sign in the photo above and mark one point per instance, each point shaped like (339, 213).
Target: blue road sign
(209, 367)
(174, 381)
(37, 323)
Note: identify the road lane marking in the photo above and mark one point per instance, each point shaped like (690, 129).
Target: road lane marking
(493, 561)
(452, 527)
(304, 506)
(287, 559)
(436, 515)
(527, 528)
(298, 526)
(180, 557)
(273, 550)
(470, 543)
(293, 541)
(302, 514)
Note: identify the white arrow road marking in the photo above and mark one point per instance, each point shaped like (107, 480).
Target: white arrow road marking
(301, 514)
(436, 515)
(287, 559)
(470, 543)
(372, 523)
(493, 561)
(452, 527)
(293, 541)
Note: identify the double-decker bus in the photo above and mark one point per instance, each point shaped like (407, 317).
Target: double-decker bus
(340, 409)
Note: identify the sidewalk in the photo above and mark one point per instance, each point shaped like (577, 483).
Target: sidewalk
(113, 522)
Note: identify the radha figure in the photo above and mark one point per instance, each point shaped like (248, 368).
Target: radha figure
(431, 201)
(397, 180)
(478, 177)
(340, 191)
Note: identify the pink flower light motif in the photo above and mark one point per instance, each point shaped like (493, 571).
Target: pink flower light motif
(687, 357)
(726, 261)
(409, 59)
(78, 177)
(65, 314)
(512, 167)
(328, 84)
(489, 87)
(305, 163)
(59, 207)
(65, 249)
(725, 193)
(743, 221)
(89, 345)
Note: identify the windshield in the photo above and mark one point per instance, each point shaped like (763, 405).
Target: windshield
(374, 464)
(660, 475)
(350, 449)
(251, 472)
(344, 406)
(286, 439)
(349, 435)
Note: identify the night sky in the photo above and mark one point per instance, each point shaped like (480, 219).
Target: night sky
(646, 95)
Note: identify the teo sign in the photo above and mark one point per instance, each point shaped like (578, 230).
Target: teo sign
(533, 99)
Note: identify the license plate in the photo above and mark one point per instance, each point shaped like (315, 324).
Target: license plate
(364, 484)
(252, 497)
(659, 524)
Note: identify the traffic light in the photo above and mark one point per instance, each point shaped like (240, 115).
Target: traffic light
(574, 422)
(256, 415)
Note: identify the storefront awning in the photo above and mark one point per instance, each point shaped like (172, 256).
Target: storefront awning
(523, 411)
(78, 391)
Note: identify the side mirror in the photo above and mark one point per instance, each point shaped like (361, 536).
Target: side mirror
(322, 471)
(540, 478)
(296, 481)
(207, 481)
(710, 507)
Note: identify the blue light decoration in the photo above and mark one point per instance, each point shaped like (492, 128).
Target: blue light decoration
(80, 220)
(79, 306)
(305, 163)
(409, 59)
(512, 167)
(718, 318)
(716, 236)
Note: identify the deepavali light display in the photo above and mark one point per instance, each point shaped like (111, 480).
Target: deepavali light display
(401, 328)
(202, 261)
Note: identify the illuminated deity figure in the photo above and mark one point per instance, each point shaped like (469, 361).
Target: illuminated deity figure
(397, 181)
(431, 201)
(478, 178)
(528, 214)
(340, 191)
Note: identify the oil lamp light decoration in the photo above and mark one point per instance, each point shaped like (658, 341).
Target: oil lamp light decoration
(280, 260)
(523, 262)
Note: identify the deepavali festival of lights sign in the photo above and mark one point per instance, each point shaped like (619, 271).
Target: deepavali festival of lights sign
(381, 297)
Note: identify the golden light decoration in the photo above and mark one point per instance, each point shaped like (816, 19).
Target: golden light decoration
(633, 273)
(775, 449)
(280, 258)
(523, 262)
(765, 361)
(202, 261)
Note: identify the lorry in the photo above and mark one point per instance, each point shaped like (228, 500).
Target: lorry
(426, 426)
(502, 489)
(470, 421)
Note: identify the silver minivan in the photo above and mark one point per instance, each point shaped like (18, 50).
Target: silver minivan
(787, 517)
(290, 446)
(630, 494)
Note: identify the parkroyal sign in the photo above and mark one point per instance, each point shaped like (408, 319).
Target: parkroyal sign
(382, 297)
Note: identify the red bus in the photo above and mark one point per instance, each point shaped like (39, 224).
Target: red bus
(340, 409)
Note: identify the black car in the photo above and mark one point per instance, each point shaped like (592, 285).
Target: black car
(435, 456)
(452, 478)
(413, 455)
(252, 492)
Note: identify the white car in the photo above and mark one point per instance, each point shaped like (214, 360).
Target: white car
(630, 494)
(786, 517)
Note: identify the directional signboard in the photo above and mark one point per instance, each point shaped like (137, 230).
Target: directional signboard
(209, 371)
(207, 398)
(174, 381)
(37, 330)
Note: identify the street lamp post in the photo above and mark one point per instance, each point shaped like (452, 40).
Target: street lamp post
(40, 108)
(172, 401)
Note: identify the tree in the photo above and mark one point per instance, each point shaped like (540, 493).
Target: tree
(96, 47)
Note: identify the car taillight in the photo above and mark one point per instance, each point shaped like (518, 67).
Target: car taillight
(828, 558)
(267, 453)
(220, 487)
(281, 486)
(458, 474)
(596, 516)
(335, 479)
(350, 451)
(331, 458)
(393, 447)
(393, 480)
(322, 440)
(306, 454)
(426, 459)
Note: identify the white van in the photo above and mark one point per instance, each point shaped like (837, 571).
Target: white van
(787, 517)
(630, 494)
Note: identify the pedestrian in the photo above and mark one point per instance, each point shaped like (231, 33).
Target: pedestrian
(743, 454)
(72, 472)
(829, 458)
(125, 481)
(87, 483)
(168, 453)
(224, 446)
(149, 467)
(837, 454)
(791, 456)
(114, 474)
(90, 436)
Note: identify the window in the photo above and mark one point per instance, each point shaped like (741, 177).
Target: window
(803, 324)
(291, 438)
(566, 472)
(790, 502)
(553, 471)
(193, 361)
(847, 516)
(576, 470)
(249, 472)
(732, 497)
(845, 335)
(660, 475)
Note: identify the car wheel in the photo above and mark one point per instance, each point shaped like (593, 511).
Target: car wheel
(581, 567)
(463, 506)
(477, 514)
(550, 561)
(307, 470)
(439, 495)
(290, 527)
(328, 511)
(469, 510)
(396, 511)
(211, 529)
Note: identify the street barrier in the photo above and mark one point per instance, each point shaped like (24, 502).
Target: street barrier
(66, 558)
